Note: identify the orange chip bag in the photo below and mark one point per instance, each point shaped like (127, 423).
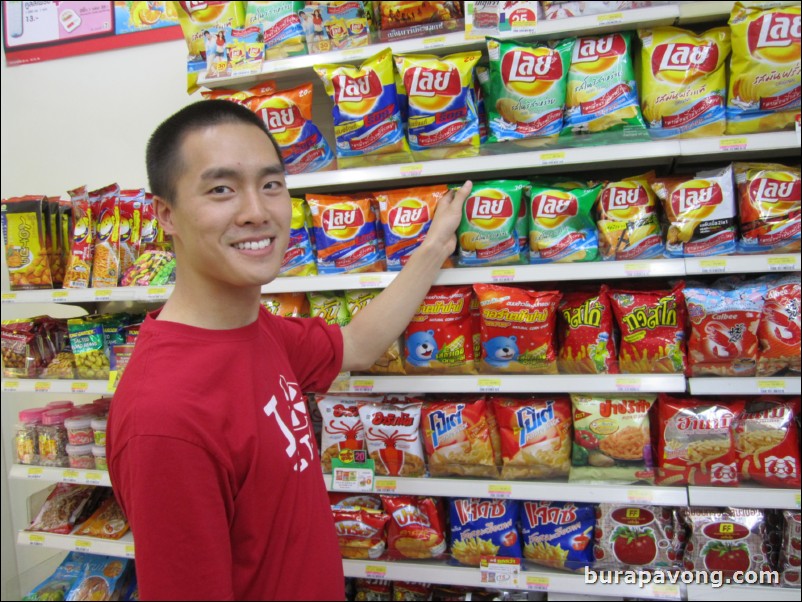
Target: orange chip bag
(585, 332)
(107, 522)
(106, 263)
(79, 266)
(417, 526)
(266, 87)
(289, 305)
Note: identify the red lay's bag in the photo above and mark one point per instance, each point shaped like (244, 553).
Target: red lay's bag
(779, 329)
(417, 526)
(585, 332)
(767, 443)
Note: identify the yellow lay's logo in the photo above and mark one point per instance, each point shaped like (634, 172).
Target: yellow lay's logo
(775, 37)
(531, 72)
(552, 208)
(342, 220)
(595, 55)
(432, 89)
(409, 217)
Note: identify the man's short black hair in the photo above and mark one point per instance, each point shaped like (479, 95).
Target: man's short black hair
(163, 155)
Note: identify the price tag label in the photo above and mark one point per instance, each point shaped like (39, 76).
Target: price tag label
(538, 584)
(103, 294)
(93, 478)
(500, 571)
(79, 387)
(376, 571)
(732, 144)
(352, 471)
(502, 275)
(713, 266)
(352, 53)
(412, 170)
(782, 264)
(83, 545)
(363, 385)
(639, 495)
(386, 485)
(638, 270)
(129, 551)
(69, 476)
(156, 293)
(370, 282)
(775, 386)
(42, 386)
(666, 591)
(797, 500)
(34, 472)
(58, 296)
(10, 386)
(499, 491)
(552, 158)
(9, 297)
(434, 42)
(35, 539)
(489, 385)
(628, 385)
(610, 19)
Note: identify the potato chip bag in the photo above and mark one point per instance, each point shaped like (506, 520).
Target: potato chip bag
(201, 21)
(779, 329)
(299, 258)
(518, 329)
(683, 82)
(130, 210)
(263, 88)
(288, 305)
(441, 105)
(700, 213)
(767, 444)
(481, 527)
(329, 306)
(487, 234)
(525, 94)
(417, 526)
(585, 332)
(283, 33)
(392, 435)
(390, 361)
(24, 233)
(769, 203)
(764, 90)
(628, 221)
(367, 120)
(561, 227)
(360, 532)
(335, 25)
(558, 534)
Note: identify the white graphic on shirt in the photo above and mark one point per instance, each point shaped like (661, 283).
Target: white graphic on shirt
(298, 447)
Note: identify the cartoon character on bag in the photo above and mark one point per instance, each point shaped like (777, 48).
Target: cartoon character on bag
(500, 351)
(421, 348)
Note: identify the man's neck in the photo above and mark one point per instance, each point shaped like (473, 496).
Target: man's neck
(211, 309)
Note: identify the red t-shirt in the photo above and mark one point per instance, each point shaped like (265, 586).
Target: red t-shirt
(213, 459)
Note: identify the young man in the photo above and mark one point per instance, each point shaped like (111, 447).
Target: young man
(210, 450)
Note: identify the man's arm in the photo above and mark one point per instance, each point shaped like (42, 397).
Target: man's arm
(376, 326)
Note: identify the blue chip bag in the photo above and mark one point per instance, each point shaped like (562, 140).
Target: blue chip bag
(299, 258)
(558, 534)
(482, 527)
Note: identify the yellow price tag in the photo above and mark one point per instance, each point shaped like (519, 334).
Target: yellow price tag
(111, 386)
(34, 472)
(376, 571)
(386, 485)
(79, 387)
(411, 171)
(156, 292)
(733, 144)
(129, 551)
(781, 264)
(83, 544)
(42, 386)
(434, 42)
(502, 275)
(771, 386)
(58, 295)
(370, 282)
(713, 266)
(639, 495)
(537, 583)
(70, 475)
(502, 491)
(36, 540)
(363, 385)
(10, 386)
(610, 19)
(489, 385)
(102, 294)
(9, 297)
(552, 158)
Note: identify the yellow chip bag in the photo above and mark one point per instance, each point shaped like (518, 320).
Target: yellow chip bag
(683, 82)
(202, 21)
(764, 92)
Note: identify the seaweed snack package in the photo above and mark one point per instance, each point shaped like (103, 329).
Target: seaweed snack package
(107, 522)
(724, 329)
(342, 428)
(299, 258)
(416, 528)
(769, 203)
(89, 348)
(289, 305)
(130, 210)
(602, 95)
(201, 23)
(360, 532)
(652, 325)
(406, 215)
(628, 220)
(393, 438)
(518, 329)
(56, 586)
(767, 444)
(585, 332)
(535, 436)
(683, 81)
(456, 435)
(330, 306)
(390, 361)
(487, 234)
(441, 105)
(611, 438)
(439, 339)
(790, 560)
(779, 329)
(335, 25)
(106, 261)
(342, 500)
(346, 236)
(561, 226)
(481, 527)
(764, 91)
(288, 116)
(558, 534)
(367, 119)
(62, 508)
(635, 536)
(103, 578)
(283, 33)
(24, 232)
(695, 444)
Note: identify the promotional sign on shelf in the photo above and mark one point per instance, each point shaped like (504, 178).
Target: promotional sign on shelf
(352, 471)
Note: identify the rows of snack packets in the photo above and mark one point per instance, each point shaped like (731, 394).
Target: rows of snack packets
(575, 91)
(379, 589)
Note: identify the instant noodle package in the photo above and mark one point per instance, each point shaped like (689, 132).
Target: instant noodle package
(482, 527)
(558, 534)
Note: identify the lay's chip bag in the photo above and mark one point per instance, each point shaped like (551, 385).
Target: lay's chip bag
(441, 103)
(764, 91)
(561, 227)
(683, 81)
(299, 258)
(345, 234)
(197, 19)
(283, 32)
(367, 119)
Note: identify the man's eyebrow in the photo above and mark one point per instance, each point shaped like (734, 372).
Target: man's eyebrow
(216, 173)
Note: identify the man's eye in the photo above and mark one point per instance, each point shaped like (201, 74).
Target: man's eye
(274, 185)
(220, 190)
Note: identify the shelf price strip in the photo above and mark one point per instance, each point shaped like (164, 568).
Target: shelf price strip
(781, 264)
(34, 539)
(376, 571)
(538, 584)
(713, 266)
(767, 387)
(499, 491)
(129, 551)
(489, 385)
(733, 144)
(502, 275)
(35, 472)
(500, 571)
(10, 386)
(386, 485)
(628, 385)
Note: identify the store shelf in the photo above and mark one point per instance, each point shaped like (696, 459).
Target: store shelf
(43, 385)
(730, 147)
(123, 547)
(50, 474)
(744, 496)
(90, 295)
(741, 593)
(771, 385)
(701, 12)
(742, 264)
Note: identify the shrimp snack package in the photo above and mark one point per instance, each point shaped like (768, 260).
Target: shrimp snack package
(561, 227)
(393, 439)
(779, 331)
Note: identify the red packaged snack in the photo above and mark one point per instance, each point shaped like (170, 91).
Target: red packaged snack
(360, 532)
(79, 265)
(585, 331)
(641, 536)
(342, 427)
(106, 261)
(767, 443)
(652, 330)
(342, 500)
(393, 438)
(373, 589)
(695, 445)
(417, 526)
(790, 558)
(62, 509)
(130, 225)
(779, 329)
(412, 592)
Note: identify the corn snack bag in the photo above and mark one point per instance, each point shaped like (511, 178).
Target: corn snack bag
(130, 224)
(439, 339)
(417, 526)
(335, 25)
(283, 32)
(518, 329)
(329, 306)
(390, 361)
(442, 108)
(392, 435)
(24, 232)
(106, 262)
(487, 234)
(561, 227)
(779, 329)
(342, 427)
(683, 82)
(585, 330)
(367, 120)
(628, 221)
(764, 90)
(481, 527)
(299, 258)
(525, 94)
(201, 23)
(289, 305)
(558, 534)
(767, 444)
(769, 204)
(346, 236)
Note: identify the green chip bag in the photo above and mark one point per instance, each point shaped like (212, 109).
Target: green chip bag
(329, 306)
(390, 361)
(561, 226)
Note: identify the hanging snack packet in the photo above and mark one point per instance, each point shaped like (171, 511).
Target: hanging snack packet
(24, 232)
(779, 329)
(342, 428)
(769, 203)
(367, 119)
(487, 234)
(106, 262)
(764, 91)
(561, 226)
(525, 94)
(283, 33)
(683, 81)
(299, 258)
(393, 439)
(585, 330)
(289, 305)
(130, 220)
(558, 534)
(417, 526)
(482, 527)
(518, 329)
(767, 443)
(628, 222)
(329, 306)
(642, 536)
(390, 361)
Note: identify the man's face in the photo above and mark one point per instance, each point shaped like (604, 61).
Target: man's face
(231, 216)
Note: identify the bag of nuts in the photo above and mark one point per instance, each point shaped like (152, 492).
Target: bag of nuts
(21, 349)
(89, 348)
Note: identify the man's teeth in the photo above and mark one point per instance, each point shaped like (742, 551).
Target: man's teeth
(253, 246)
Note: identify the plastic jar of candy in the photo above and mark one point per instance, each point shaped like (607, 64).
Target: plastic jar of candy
(26, 440)
(52, 437)
(99, 429)
(79, 430)
(81, 456)
(99, 452)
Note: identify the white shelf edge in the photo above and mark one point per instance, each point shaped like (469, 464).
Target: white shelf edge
(742, 264)
(696, 12)
(769, 385)
(742, 593)
(44, 385)
(50, 474)
(123, 547)
(738, 143)
(745, 496)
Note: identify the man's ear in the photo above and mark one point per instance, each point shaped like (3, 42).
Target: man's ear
(164, 213)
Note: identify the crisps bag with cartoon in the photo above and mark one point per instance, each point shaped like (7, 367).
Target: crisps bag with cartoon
(417, 526)
(288, 116)
(390, 362)
(525, 94)
(439, 339)
(518, 329)
(628, 220)
(283, 32)
(367, 119)
(769, 207)
(487, 234)
(342, 427)
(652, 325)
(585, 331)
(779, 330)
(299, 258)
(764, 90)
(700, 213)
(636, 536)
(558, 534)
(602, 95)
(481, 527)
(392, 435)
(442, 109)
(561, 227)
(683, 81)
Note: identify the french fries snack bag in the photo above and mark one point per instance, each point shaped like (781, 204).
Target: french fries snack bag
(611, 438)
(130, 209)
(628, 220)
(299, 258)
(558, 534)
(487, 234)
(481, 527)
(196, 18)
(641, 536)
(769, 203)
(779, 329)
(106, 261)
(683, 82)
(525, 94)
(283, 33)
(360, 532)
(392, 436)
(390, 361)
(652, 325)
(764, 91)
(561, 227)
(26, 245)
(342, 428)
(585, 331)
(416, 528)
(518, 329)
